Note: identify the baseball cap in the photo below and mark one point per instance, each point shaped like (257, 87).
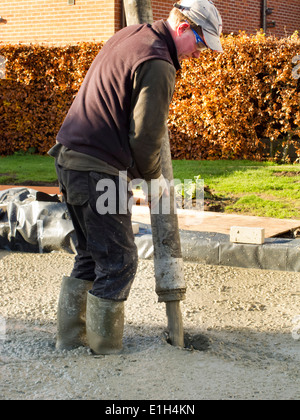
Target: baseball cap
(204, 14)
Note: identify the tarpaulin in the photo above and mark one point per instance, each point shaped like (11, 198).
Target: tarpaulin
(32, 221)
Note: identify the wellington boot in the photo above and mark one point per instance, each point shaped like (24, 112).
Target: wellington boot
(104, 325)
(71, 313)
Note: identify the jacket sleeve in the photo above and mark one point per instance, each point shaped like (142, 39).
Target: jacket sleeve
(153, 88)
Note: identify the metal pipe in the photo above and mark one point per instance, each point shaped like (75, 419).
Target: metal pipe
(168, 261)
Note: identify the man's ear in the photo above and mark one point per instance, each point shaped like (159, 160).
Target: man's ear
(182, 27)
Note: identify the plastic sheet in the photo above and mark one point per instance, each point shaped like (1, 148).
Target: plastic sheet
(32, 221)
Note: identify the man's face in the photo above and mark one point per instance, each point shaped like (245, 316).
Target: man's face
(186, 42)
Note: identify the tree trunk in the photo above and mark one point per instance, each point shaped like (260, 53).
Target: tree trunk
(138, 11)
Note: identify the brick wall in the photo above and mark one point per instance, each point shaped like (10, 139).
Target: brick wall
(56, 22)
(240, 15)
(246, 15)
(286, 14)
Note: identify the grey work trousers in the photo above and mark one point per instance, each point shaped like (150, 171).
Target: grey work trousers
(106, 251)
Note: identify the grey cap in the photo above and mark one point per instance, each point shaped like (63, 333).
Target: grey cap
(204, 14)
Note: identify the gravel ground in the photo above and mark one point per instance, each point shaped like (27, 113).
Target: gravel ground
(244, 326)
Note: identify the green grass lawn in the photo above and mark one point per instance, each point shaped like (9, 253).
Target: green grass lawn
(21, 169)
(253, 188)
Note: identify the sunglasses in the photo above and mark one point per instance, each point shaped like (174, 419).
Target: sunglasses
(199, 41)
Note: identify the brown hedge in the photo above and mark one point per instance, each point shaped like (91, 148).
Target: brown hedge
(224, 106)
(40, 85)
(227, 105)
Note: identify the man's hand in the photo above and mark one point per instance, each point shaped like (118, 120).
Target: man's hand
(156, 188)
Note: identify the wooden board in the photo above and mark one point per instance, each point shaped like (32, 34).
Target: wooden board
(221, 222)
(47, 190)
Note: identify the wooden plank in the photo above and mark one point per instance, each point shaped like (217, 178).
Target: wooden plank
(222, 222)
(52, 190)
(47, 190)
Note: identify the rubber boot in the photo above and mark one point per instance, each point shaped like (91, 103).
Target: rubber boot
(71, 313)
(104, 325)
